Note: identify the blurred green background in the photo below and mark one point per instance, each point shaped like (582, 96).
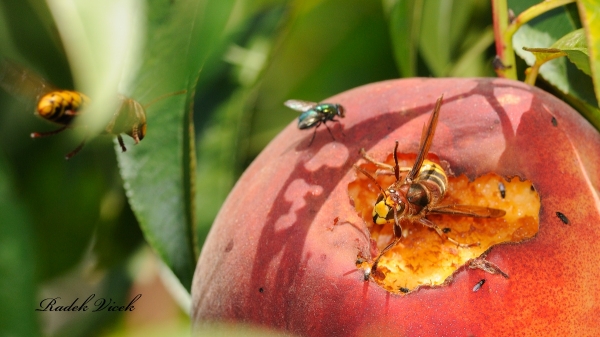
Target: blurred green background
(117, 225)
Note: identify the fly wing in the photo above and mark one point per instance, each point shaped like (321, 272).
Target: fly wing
(309, 119)
(299, 105)
(468, 210)
(22, 83)
(426, 139)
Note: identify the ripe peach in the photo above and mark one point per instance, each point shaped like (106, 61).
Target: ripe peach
(282, 251)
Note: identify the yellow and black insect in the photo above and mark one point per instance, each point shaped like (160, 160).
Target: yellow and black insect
(62, 106)
(420, 193)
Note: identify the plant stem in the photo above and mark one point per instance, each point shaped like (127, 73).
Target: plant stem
(504, 50)
(532, 72)
(504, 31)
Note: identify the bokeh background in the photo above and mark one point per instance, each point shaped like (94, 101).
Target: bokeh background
(68, 228)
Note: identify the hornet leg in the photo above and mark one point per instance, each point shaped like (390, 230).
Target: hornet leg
(49, 133)
(76, 150)
(120, 139)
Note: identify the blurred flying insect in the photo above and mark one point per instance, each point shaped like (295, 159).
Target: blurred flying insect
(420, 193)
(315, 114)
(62, 106)
(130, 118)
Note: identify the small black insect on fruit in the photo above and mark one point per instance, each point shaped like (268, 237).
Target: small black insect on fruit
(478, 285)
(502, 190)
(562, 218)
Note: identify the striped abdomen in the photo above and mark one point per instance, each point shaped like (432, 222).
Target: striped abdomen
(432, 177)
(61, 106)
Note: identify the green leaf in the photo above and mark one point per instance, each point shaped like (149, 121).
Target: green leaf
(405, 24)
(572, 45)
(543, 55)
(17, 264)
(588, 11)
(542, 32)
(159, 172)
(443, 29)
(472, 62)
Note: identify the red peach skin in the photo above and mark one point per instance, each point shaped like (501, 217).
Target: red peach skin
(276, 257)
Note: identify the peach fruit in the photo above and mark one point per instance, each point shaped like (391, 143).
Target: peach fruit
(282, 252)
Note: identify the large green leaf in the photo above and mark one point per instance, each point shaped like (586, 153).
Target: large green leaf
(159, 172)
(589, 10)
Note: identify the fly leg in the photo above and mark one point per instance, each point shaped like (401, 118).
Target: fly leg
(335, 120)
(328, 129)
(315, 133)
